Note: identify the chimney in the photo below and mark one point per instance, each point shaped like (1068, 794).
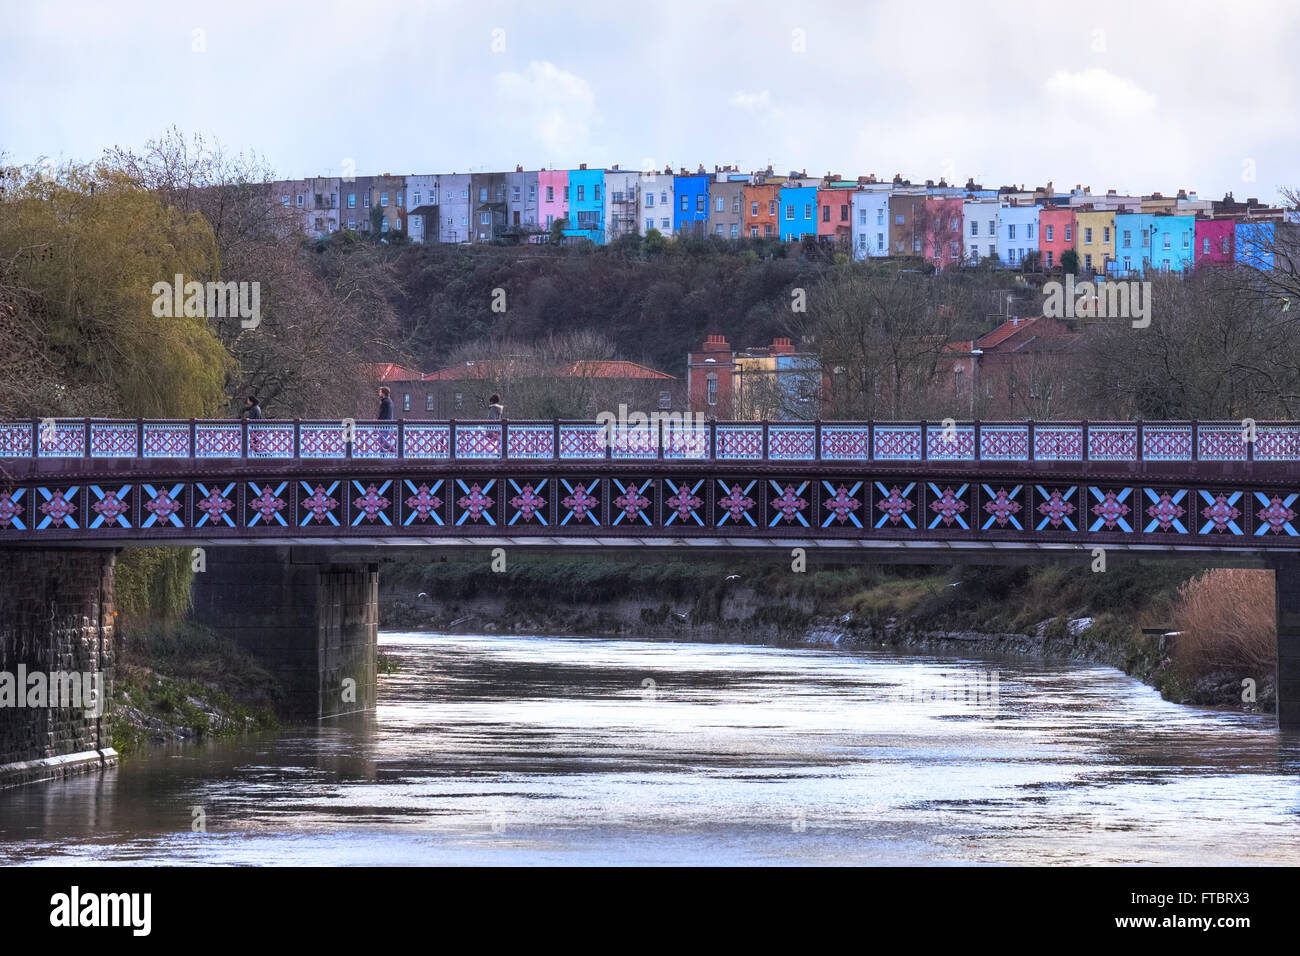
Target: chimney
(716, 343)
(782, 346)
(519, 169)
(582, 165)
(614, 168)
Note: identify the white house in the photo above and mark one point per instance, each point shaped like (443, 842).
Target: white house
(655, 204)
(871, 221)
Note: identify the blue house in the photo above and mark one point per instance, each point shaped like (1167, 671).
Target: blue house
(587, 205)
(1172, 242)
(1132, 244)
(692, 213)
(798, 212)
(1255, 243)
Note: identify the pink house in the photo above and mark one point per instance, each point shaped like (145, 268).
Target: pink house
(1055, 233)
(553, 196)
(1215, 241)
(942, 230)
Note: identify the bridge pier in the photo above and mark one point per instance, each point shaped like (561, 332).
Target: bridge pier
(56, 660)
(1287, 578)
(313, 625)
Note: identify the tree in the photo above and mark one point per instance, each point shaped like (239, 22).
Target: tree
(1070, 262)
(81, 250)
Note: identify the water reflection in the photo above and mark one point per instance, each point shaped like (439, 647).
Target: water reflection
(550, 750)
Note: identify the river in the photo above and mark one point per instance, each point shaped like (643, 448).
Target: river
(531, 750)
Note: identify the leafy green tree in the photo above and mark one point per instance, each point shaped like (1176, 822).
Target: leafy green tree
(1070, 262)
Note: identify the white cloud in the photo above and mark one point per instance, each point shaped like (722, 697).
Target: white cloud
(1101, 91)
(557, 107)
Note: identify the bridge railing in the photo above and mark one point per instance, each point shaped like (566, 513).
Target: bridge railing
(663, 437)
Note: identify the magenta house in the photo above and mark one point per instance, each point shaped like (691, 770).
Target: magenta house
(553, 196)
(1214, 241)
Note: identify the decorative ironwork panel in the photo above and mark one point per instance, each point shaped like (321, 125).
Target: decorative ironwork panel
(1058, 443)
(950, 444)
(323, 441)
(1167, 443)
(166, 441)
(270, 440)
(791, 442)
(739, 443)
(1004, 443)
(219, 440)
(377, 441)
(1277, 443)
(1221, 443)
(63, 440)
(426, 441)
(582, 441)
(1112, 443)
(846, 443)
(16, 440)
(897, 443)
(531, 441)
(113, 440)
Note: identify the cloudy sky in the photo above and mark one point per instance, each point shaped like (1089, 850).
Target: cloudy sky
(1138, 95)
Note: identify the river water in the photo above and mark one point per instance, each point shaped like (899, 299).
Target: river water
(530, 750)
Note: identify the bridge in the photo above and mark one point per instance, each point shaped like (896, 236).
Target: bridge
(1203, 487)
(293, 517)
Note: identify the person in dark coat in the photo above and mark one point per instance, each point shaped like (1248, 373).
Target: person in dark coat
(252, 408)
(496, 411)
(385, 405)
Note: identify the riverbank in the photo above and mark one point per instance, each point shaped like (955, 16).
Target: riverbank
(176, 681)
(1120, 618)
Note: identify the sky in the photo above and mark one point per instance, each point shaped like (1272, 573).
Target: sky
(1138, 96)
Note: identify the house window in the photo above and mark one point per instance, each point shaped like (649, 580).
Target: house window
(1105, 234)
(649, 200)
(719, 205)
(1011, 231)
(753, 231)
(1128, 239)
(482, 194)
(880, 242)
(1049, 236)
(862, 217)
(663, 224)
(416, 198)
(1049, 257)
(400, 197)
(753, 208)
(767, 230)
(649, 224)
(1029, 230)
(718, 229)
(352, 224)
(880, 218)
(566, 193)
(1223, 245)
(406, 402)
(285, 201)
(735, 231)
(595, 192)
(686, 203)
(550, 221)
(701, 203)
(771, 207)
(663, 198)
(383, 199)
(1128, 264)
(485, 219)
(1187, 240)
(898, 219)
(1087, 236)
(385, 226)
(713, 390)
(1087, 260)
(993, 227)
(974, 227)
(365, 199)
(428, 401)
(460, 400)
(665, 400)
(300, 200)
(550, 194)
(532, 191)
(862, 241)
(789, 212)
(514, 193)
(1205, 246)
(916, 245)
(1068, 231)
(1166, 235)
(954, 250)
(826, 213)
(581, 190)
(807, 210)
(844, 213)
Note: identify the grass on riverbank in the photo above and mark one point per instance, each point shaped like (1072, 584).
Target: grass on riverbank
(179, 681)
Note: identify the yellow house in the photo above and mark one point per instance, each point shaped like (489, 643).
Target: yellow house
(1095, 239)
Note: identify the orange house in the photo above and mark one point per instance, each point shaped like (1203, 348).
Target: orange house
(761, 220)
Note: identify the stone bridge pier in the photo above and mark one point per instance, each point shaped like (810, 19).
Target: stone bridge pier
(313, 624)
(1287, 577)
(56, 662)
